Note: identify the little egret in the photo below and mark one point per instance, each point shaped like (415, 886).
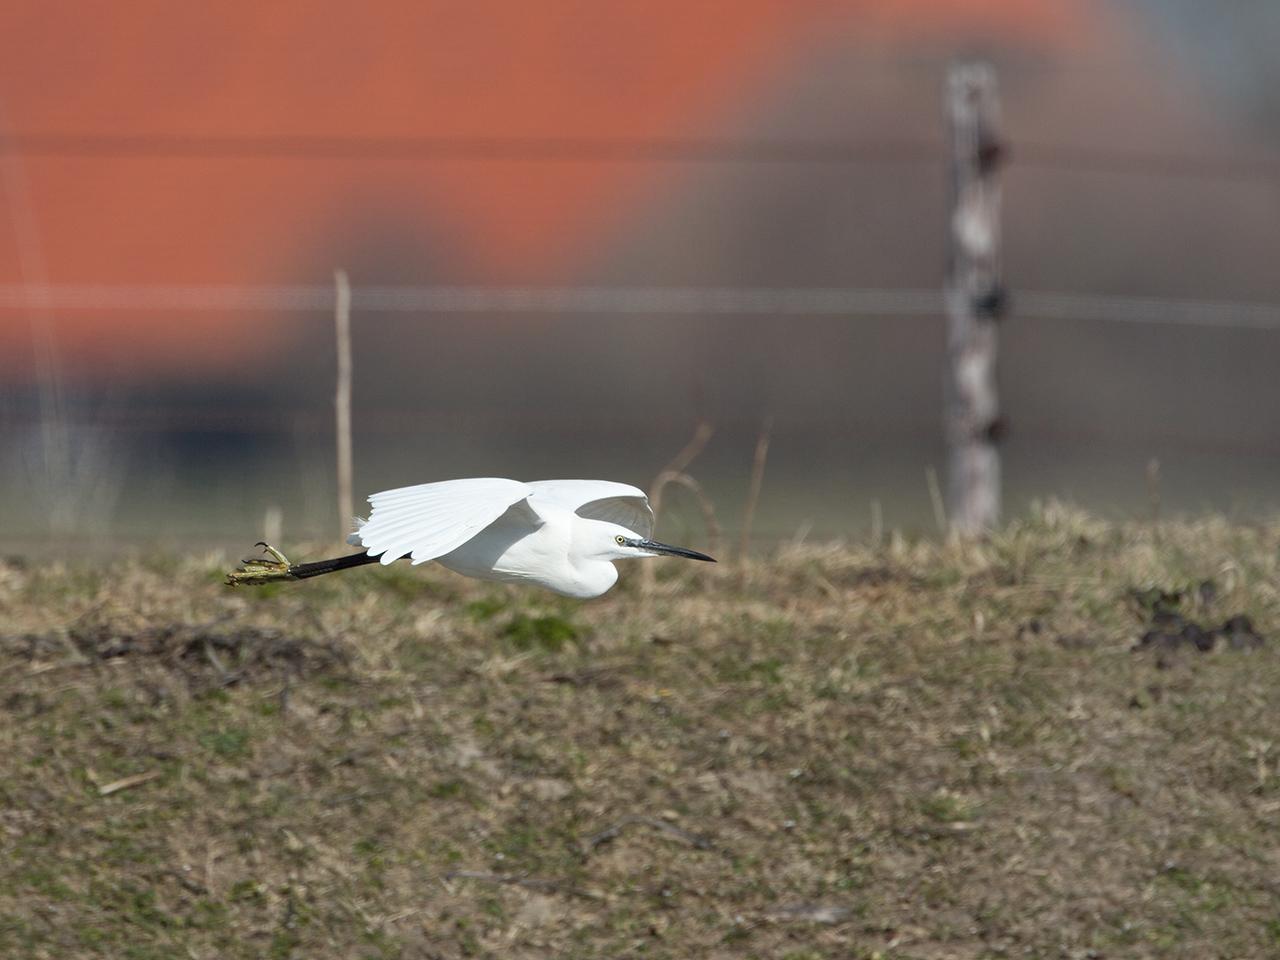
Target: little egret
(560, 534)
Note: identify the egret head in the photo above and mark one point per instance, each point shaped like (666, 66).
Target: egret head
(609, 541)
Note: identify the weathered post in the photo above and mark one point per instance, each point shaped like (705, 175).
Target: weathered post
(976, 299)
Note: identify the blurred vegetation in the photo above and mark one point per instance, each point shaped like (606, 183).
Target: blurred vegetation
(901, 751)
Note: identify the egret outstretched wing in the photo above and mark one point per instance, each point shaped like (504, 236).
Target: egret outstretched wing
(563, 535)
(618, 503)
(431, 519)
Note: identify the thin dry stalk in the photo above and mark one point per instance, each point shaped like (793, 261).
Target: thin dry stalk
(697, 443)
(704, 502)
(753, 492)
(611, 833)
(1153, 489)
(342, 400)
(680, 463)
(126, 782)
(523, 880)
(273, 524)
(935, 497)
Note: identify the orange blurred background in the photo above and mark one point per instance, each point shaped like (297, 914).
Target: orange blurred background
(181, 181)
(240, 143)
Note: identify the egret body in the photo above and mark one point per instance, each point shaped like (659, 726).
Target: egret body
(563, 535)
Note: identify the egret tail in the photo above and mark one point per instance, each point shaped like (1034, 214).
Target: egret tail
(276, 567)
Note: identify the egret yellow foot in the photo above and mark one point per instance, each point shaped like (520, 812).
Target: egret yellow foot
(269, 569)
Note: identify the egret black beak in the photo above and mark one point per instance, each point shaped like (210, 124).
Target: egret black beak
(667, 550)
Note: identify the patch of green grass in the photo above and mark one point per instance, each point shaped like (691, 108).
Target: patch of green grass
(1272, 928)
(518, 843)
(47, 884)
(246, 890)
(404, 582)
(549, 633)
(283, 944)
(486, 608)
(445, 789)
(229, 743)
(767, 670)
(135, 904)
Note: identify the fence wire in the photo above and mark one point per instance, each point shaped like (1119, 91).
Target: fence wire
(918, 151)
(862, 302)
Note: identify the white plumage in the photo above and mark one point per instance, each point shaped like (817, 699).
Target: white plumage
(560, 534)
(429, 520)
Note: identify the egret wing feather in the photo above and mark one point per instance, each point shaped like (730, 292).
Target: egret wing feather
(431, 519)
(606, 500)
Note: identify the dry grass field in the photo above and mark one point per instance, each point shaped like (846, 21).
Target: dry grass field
(910, 751)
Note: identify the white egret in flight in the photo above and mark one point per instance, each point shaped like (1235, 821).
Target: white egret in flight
(560, 534)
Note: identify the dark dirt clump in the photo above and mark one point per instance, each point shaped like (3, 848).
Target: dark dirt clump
(221, 650)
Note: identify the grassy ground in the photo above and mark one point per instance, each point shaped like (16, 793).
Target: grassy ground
(912, 751)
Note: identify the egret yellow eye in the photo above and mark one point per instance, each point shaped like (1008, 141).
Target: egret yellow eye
(620, 540)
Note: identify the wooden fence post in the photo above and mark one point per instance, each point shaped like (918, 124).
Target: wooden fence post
(976, 299)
